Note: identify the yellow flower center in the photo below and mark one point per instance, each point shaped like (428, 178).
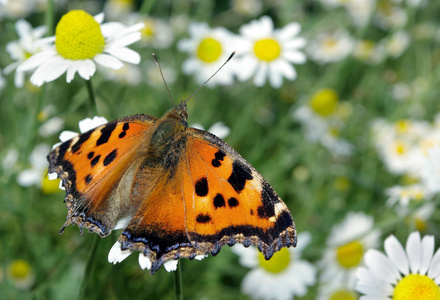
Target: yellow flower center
(415, 287)
(267, 49)
(343, 295)
(78, 36)
(209, 50)
(350, 254)
(50, 186)
(278, 263)
(149, 29)
(400, 148)
(324, 102)
(330, 43)
(20, 269)
(421, 225)
(402, 126)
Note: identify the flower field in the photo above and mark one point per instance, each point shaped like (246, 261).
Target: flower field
(334, 102)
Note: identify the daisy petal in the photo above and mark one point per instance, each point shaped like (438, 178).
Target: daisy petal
(124, 40)
(289, 31)
(434, 269)
(414, 251)
(71, 72)
(144, 262)
(275, 77)
(86, 68)
(396, 254)
(381, 265)
(261, 74)
(67, 135)
(427, 252)
(108, 61)
(295, 57)
(36, 60)
(125, 54)
(117, 255)
(171, 265)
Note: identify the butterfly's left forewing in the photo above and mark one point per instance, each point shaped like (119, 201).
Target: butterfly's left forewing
(96, 169)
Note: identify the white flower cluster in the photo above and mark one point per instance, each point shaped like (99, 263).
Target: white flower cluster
(412, 149)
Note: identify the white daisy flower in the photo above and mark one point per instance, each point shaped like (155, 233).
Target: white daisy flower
(347, 244)
(389, 16)
(284, 276)
(20, 273)
(322, 118)
(208, 49)
(404, 194)
(267, 53)
(411, 273)
(81, 42)
(219, 129)
(29, 43)
(330, 47)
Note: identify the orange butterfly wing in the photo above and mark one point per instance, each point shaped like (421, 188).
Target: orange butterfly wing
(206, 196)
(95, 168)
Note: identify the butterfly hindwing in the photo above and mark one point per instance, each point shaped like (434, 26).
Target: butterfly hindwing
(95, 171)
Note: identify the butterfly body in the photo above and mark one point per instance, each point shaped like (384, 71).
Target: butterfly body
(176, 191)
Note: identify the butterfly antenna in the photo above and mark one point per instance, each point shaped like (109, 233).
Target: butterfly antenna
(163, 78)
(229, 58)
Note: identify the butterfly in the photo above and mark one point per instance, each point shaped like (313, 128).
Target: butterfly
(181, 192)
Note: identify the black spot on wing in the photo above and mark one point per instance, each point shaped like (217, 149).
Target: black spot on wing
(232, 202)
(90, 155)
(201, 218)
(122, 134)
(240, 174)
(106, 132)
(110, 157)
(82, 139)
(218, 157)
(219, 201)
(95, 160)
(126, 126)
(201, 187)
(88, 178)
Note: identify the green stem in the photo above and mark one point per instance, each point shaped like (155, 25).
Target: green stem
(91, 96)
(146, 6)
(49, 17)
(89, 268)
(178, 282)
